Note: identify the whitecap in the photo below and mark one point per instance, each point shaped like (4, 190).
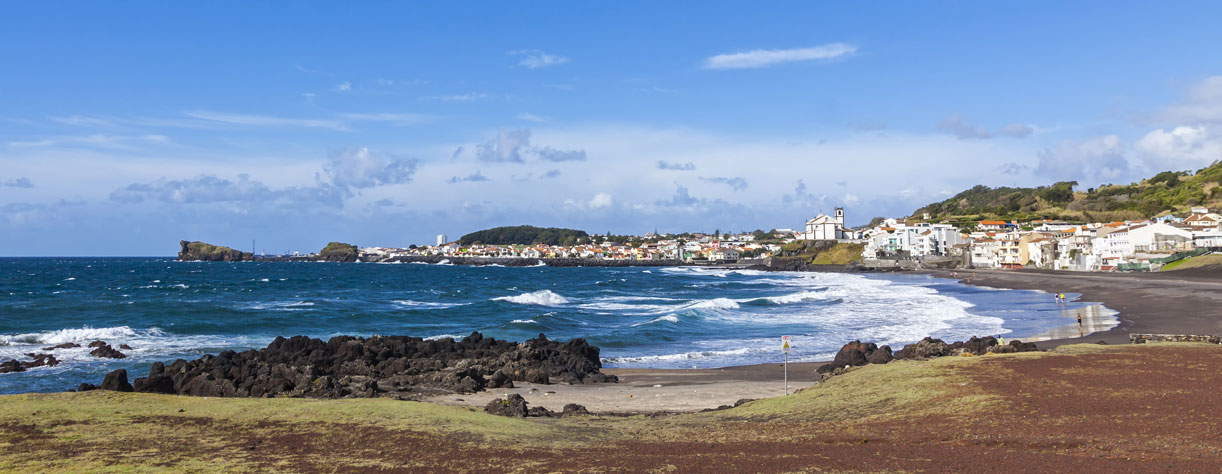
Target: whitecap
(427, 304)
(541, 298)
(670, 318)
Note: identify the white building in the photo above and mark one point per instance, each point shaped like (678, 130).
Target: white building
(824, 227)
(441, 239)
(1207, 238)
(1155, 237)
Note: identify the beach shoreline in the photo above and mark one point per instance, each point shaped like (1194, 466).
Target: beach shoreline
(1146, 303)
(1143, 304)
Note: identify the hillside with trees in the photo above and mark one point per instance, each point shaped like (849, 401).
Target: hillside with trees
(525, 235)
(1165, 192)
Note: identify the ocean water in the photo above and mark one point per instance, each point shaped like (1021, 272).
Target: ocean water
(640, 317)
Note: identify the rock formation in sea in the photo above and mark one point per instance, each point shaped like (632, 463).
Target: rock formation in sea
(192, 251)
(39, 360)
(387, 366)
(338, 252)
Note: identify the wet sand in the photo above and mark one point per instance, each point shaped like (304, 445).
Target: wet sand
(1158, 303)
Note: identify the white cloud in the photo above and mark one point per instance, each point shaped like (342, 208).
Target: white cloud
(473, 177)
(84, 121)
(343, 87)
(961, 128)
(506, 147)
(535, 59)
(666, 165)
(767, 57)
(394, 118)
(1181, 148)
(17, 183)
(737, 184)
(97, 140)
(265, 121)
(957, 125)
(361, 168)
(1202, 103)
(529, 117)
(550, 154)
(599, 201)
(468, 97)
(1092, 161)
(1017, 130)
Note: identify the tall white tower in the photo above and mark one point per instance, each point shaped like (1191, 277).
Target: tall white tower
(441, 239)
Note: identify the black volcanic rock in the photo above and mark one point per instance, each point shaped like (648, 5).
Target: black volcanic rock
(392, 366)
(105, 351)
(513, 405)
(38, 360)
(116, 381)
(66, 345)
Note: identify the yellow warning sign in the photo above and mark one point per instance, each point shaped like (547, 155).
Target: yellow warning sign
(785, 346)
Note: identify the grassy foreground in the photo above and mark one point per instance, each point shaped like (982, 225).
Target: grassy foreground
(1085, 407)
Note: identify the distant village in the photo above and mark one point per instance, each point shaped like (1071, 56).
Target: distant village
(1047, 244)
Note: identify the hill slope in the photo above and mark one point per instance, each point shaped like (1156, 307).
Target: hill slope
(1169, 191)
(523, 235)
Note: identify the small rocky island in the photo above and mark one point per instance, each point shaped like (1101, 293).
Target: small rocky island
(400, 367)
(205, 252)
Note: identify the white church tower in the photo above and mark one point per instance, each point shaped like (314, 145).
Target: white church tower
(824, 227)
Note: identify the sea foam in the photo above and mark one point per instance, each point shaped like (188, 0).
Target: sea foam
(540, 298)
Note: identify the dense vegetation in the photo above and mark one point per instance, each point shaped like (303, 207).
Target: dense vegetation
(1165, 192)
(820, 252)
(338, 252)
(525, 234)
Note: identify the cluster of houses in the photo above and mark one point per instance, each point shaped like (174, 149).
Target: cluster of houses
(694, 247)
(1103, 246)
(1100, 246)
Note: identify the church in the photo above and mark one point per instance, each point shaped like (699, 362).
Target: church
(824, 227)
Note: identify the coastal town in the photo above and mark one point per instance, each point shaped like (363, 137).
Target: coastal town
(1046, 244)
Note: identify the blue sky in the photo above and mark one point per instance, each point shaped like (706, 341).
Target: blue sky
(125, 127)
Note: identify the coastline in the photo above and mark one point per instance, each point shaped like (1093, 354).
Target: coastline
(1158, 303)
(1143, 303)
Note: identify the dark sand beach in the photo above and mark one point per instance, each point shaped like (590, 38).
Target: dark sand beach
(1178, 302)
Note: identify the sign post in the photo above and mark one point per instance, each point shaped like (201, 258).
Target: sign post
(785, 349)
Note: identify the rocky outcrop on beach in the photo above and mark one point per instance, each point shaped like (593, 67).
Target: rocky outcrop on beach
(515, 406)
(391, 366)
(200, 251)
(929, 348)
(857, 353)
